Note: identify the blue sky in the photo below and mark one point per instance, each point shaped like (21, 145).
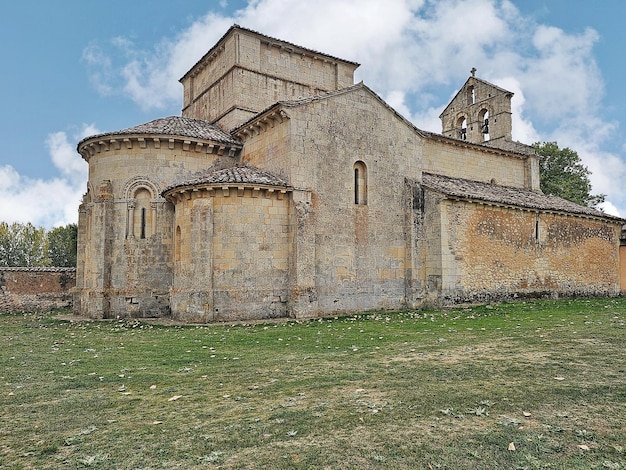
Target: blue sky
(74, 68)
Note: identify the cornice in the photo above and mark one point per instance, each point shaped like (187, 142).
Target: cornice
(106, 143)
(181, 193)
(261, 123)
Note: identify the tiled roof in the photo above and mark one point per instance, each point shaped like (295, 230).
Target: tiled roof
(177, 126)
(506, 195)
(238, 174)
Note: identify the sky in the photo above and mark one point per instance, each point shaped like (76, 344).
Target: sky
(74, 68)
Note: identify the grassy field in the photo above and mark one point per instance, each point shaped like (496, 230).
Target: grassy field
(504, 386)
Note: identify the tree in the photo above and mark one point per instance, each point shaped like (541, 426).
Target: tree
(561, 173)
(22, 245)
(62, 246)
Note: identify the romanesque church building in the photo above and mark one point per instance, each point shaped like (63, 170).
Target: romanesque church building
(287, 190)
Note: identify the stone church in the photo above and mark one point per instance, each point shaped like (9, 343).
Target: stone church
(287, 190)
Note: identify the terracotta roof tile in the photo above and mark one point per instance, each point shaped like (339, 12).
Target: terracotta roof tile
(177, 126)
(506, 195)
(238, 174)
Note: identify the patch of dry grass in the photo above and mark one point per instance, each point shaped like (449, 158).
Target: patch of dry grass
(456, 389)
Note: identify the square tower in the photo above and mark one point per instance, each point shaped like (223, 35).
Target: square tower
(246, 72)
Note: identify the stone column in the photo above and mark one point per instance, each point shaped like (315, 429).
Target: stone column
(153, 209)
(302, 301)
(130, 228)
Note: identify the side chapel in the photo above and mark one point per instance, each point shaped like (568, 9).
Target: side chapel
(287, 190)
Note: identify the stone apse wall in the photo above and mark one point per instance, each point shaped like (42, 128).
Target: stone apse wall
(36, 289)
(232, 252)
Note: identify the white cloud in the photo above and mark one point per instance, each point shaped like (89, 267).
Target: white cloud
(415, 54)
(523, 129)
(608, 171)
(150, 77)
(610, 209)
(47, 202)
(563, 78)
(100, 68)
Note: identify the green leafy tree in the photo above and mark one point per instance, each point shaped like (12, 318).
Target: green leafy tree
(563, 174)
(22, 245)
(62, 246)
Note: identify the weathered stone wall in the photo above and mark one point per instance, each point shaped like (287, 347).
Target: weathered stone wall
(459, 160)
(497, 252)
(347, 256)
(122, 270)
(234, 255)
(36, 289)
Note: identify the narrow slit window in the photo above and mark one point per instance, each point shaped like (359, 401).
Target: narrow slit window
(360, 183)
(537, 228)
(142, 215)
(143, 222)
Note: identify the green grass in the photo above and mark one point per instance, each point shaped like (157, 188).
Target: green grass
(411, 390)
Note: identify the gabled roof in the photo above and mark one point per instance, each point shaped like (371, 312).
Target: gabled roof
(176, 126)
(475, 79)
(244, 175)
(514, 148)
(271, 39)
(507, 196)
(324, 96)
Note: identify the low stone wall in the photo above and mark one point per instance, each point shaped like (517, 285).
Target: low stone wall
(36, 289)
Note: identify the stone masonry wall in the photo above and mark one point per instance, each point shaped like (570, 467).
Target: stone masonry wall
(232, 255)
(251, 254)
(120, 273)
(347, 256)
(496, 252)
(460, 160)
(35, 289)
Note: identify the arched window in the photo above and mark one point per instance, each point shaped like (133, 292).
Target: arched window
(462, 126)
(143, 215)
(142, 204)
(483, 118)
(360, 183)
